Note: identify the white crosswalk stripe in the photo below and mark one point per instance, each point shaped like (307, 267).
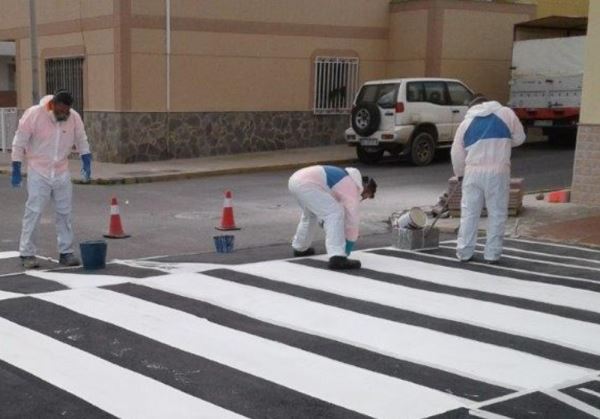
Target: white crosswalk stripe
(291, 338)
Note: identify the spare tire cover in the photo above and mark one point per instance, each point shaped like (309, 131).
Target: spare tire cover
(365, 118)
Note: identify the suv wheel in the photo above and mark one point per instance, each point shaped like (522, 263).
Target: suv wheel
(365, 119)
(422, 149)
(369, 155)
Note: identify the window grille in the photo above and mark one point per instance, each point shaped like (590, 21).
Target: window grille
(336, 83)
(66, 73)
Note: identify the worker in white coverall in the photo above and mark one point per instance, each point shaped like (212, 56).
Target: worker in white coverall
(330, 194)
(481, 159)
(46, 136)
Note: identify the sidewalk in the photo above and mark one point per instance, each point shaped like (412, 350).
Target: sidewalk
(539, 220)
(113, 173)
(565, 223)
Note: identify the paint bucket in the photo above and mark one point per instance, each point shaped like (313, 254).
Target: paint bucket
(224, 244)
(413, 219)
(93, 254)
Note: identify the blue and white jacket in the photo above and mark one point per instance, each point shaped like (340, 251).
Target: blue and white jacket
(484, 139)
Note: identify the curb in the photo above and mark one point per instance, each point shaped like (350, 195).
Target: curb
(196, 175)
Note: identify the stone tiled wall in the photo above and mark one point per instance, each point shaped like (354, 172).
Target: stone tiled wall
(586, 173)
(121, 137)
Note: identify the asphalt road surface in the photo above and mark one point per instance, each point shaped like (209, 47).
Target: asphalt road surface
(173, 218)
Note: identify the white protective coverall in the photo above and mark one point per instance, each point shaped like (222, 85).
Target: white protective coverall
(481, 153)
(331, 194)
(47, 143)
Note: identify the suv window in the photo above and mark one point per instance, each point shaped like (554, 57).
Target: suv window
(459, 94)
(435, 92)
(382, 94)
(415, 92)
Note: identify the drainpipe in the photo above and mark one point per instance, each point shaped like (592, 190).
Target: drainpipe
(35, 79)
(168, 49)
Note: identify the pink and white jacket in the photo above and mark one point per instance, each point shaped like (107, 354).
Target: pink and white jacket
(47, 142)
(345, 185)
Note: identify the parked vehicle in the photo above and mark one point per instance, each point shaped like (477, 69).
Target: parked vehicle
(547, 75)
(409, 117)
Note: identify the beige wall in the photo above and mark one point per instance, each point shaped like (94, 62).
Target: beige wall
(66, 28)
(255, 55)
(362, 13)
(407, 43)
(562, 7)
(480, 56)
(590, 110)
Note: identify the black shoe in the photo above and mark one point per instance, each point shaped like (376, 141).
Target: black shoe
(308, 252)
(492, 262)
(29, 262)
(68, 259)
(342, 262)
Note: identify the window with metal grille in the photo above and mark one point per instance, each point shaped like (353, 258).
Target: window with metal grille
(336, 83)
(66, 73)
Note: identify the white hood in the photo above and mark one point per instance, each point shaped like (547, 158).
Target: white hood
(44, 100)
(356, 177)
(483, 109)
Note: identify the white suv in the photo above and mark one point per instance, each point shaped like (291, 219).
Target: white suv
(410, 117)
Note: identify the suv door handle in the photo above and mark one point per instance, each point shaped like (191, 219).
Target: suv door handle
(455, 110)
(389, 114)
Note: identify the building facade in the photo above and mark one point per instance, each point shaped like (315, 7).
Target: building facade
(161, 79)
(586, 172)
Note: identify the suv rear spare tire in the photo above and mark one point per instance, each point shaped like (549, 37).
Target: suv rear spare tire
(369, 155)
(365, 119)
(422, 149)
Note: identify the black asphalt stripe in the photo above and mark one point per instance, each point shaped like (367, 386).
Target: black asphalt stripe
(481, 334)
(23, 395)
(541, 256)
(408, 371)
(532, 266)
(460, 413)
(114, 269)
(26, 284)
(590, 254)
(532, 305)
(587, 398)
(219, 384)
(491, 270)
(536, 405)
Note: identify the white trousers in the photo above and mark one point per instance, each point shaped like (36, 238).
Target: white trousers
(491, 189)
(40, 190)
(318, 204)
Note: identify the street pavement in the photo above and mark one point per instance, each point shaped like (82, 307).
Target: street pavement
(411, 335)
(178, 217)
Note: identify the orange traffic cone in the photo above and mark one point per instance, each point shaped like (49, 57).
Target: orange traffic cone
(115, 229)
(227, 222)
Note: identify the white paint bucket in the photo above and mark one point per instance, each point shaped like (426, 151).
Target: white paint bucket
(414, 219)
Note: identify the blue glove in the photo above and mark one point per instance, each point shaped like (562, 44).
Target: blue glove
(349, 246)
(15, 179)
(86, 167)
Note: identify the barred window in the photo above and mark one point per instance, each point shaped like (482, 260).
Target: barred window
(66, 73)
(336, 83)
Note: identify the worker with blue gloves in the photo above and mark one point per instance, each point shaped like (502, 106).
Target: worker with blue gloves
(330, 194)
(481, 157)
(46, 136)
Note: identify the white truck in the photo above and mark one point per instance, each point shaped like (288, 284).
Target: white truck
(547, 76)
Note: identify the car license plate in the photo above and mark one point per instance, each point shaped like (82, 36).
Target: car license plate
(369, 141)
(547, 123)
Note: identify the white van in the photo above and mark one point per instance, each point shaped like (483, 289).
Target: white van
(411, 117)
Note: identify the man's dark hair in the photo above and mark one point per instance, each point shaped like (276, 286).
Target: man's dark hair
(477, 99)
(63, 96)
(369, 183)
